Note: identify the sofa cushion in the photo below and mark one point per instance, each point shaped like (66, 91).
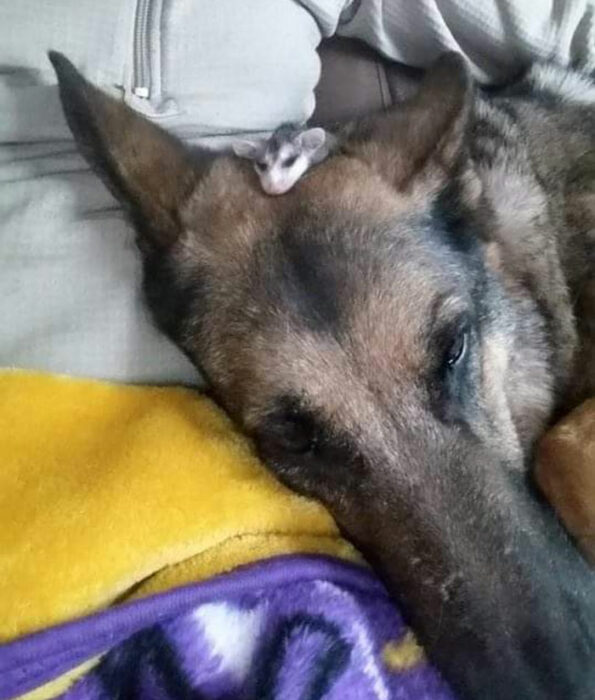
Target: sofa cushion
(70, 298)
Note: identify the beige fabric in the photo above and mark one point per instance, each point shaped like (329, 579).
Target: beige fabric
(498, 37)
(70, 298)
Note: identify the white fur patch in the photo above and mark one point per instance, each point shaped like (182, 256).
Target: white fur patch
(280, 178)
(517, 200)
(569, 85)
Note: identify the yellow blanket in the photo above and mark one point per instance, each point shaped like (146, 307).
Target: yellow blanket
(110, 491)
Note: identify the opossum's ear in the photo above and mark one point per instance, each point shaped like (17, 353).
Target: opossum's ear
(423, 136)
(312, 139)
(251, 150)
(147, 169)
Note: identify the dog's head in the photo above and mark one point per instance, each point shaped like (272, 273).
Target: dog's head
(360, 330)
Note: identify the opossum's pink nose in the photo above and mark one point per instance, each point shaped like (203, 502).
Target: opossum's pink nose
(276, 189)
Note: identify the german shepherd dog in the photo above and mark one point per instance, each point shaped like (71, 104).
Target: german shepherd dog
(395, 333)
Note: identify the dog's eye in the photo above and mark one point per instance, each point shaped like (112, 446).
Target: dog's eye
(288, 162)
(457, 349)
(294, 434)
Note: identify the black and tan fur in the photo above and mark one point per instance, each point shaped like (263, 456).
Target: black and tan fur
(395, 333)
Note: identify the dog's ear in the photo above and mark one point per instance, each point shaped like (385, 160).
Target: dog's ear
(422, 136)
(146, 168)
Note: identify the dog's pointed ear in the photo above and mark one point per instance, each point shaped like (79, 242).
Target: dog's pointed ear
(146, 168)
(424, 135)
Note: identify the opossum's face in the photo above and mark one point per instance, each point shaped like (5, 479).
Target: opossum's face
(287, 155)
(280, 168)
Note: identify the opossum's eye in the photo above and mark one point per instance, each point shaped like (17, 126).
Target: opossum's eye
(261, 165)
(457, 349)
(288, 162)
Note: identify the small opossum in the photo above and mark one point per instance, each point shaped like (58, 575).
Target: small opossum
(281, 160)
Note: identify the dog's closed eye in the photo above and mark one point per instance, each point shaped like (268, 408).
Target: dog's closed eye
(291, 433)
(302, 450)
(289, 428)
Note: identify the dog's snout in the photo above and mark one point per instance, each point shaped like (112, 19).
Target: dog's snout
(498, 576)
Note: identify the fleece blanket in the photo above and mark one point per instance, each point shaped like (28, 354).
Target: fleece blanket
(126, 516)
(286, 629)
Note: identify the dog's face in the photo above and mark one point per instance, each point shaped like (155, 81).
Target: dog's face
(344, 338)
(358, 329)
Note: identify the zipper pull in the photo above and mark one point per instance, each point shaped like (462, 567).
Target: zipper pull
(139, 99)
(141, 92)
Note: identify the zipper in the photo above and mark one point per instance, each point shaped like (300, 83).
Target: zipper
(141, 86)
(144, 85)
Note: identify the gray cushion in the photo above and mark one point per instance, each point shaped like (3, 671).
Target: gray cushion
(69, 283)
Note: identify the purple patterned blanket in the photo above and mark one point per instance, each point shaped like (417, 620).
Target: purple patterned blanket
(289, 628)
